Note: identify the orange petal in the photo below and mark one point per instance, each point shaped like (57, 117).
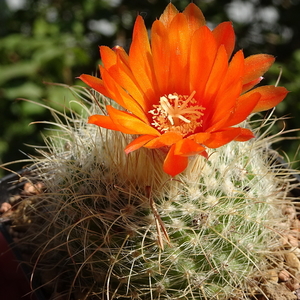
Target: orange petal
(216, 77)
(187, 147)
(168, 15)
(124, 77)
(203, 51)
(161, 55)
(108, 57)
(121, 96)
(95, 83)
(140, 61)
(245, 135)
(270, 96)
(179, 47)
(200, 137)
(194, 17)
(251, 84)
(204, 154)
(130, 122)
(256, 66)
(220, 138)
(103, 121)
(167, 139)
(116, 64)
(121, 53)
(174, 164)
(138, 143)
(230, 89)
(224, 35)
(243, 108)
(114, 90)
(108, 123)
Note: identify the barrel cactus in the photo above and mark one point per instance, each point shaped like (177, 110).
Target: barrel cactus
(193, 208)
(117, 226)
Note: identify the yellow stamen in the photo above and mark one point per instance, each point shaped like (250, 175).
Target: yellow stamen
(178, 113)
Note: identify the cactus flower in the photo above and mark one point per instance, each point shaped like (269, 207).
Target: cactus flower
(184, 91)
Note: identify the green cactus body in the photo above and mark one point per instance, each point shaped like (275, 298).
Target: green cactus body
(105, 213)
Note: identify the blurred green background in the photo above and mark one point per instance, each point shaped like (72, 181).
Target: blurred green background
(54, 41)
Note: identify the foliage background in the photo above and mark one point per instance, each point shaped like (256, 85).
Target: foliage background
(54, 41)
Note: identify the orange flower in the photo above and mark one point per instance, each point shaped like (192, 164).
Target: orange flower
(182, 92)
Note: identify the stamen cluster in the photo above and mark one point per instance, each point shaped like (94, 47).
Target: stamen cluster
(177, 113)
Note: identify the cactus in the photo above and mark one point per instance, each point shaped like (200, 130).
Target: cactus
(187, 211)
(115, 226)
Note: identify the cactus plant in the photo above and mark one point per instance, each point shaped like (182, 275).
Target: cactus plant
(193, 208)
(116, 226)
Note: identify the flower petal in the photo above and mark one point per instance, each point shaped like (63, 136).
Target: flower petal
(114, 91)
(95, 83)
(121, 96)
(194, 17)
(245, 135)
(125, 79)
(167, 139)
(122, 55)
(270, 96)
(229, 91)
(168, 15)
(161, 55)
(108, 57)
(130, 122)
(222, 137)
(216, 76)
(243, 108)
(256, 66)
(138, 143)
(174, 164)
(179, 48)
(103, 121)
(248, 86)
(224, 35)
(203, 51)
(140, 61)
(187, 147)
(200, 137)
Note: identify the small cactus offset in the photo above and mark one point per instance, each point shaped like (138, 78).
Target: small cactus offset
(173, 194)
(115, 226)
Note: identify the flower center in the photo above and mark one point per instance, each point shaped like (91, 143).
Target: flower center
(177, 113)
